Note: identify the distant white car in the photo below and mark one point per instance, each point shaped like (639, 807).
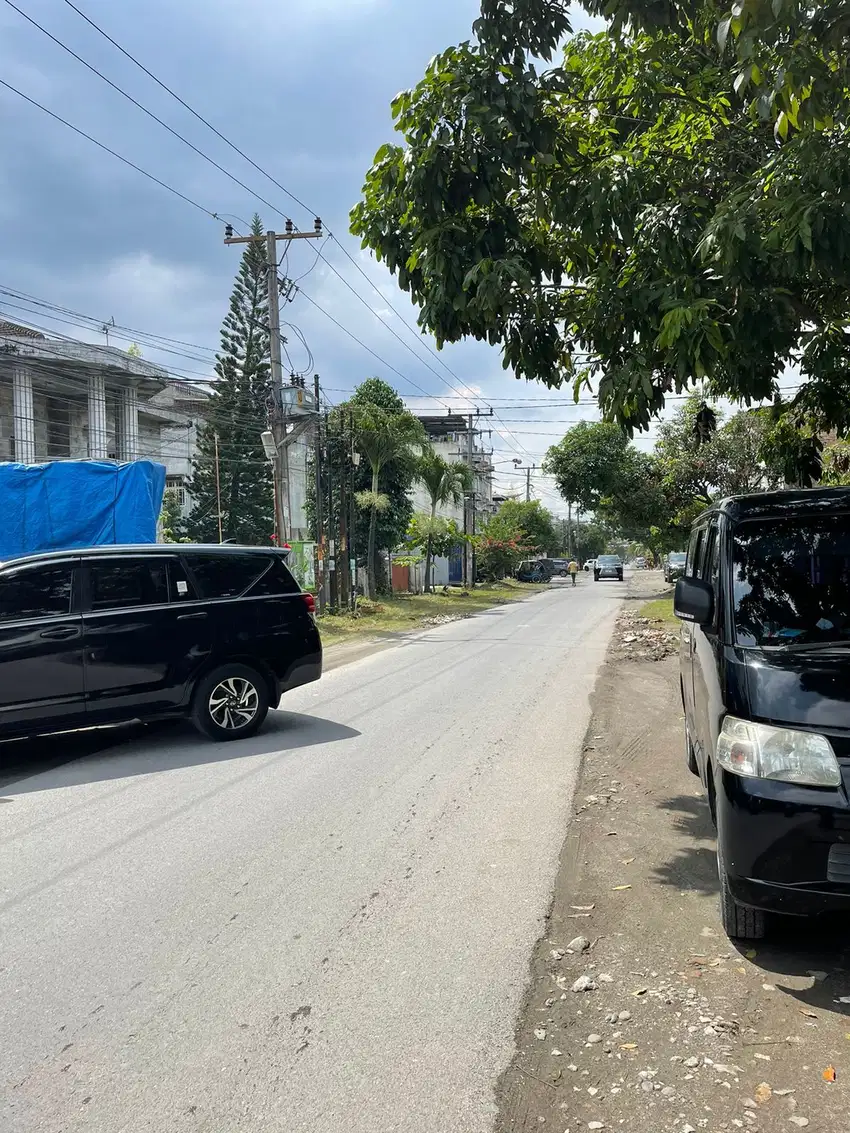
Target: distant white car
(590, 564)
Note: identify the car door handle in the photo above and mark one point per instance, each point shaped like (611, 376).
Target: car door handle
(61, 633)
(190, 617)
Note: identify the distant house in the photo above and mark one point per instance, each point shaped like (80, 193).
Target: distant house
(449, 435)
(61, 399)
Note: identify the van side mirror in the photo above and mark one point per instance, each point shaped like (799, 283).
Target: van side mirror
(694, 601)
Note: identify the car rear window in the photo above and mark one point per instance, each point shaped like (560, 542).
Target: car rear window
(276, 581)
(226, 576)
(609, 560)
(791, 580)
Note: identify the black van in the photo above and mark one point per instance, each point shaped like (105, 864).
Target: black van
(765, 672)
(110, 634)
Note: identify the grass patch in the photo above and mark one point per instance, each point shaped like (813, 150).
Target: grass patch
(404, 612)
(660, 610)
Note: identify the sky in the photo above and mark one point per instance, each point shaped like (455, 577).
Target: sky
(303, 88)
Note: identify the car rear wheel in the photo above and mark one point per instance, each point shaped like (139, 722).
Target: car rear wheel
(739, 921)
(230, 703)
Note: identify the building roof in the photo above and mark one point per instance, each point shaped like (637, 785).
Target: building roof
(14, 330)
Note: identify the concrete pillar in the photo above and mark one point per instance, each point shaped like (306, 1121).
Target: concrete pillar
(98, 437)
(24, 415)
(128, 424)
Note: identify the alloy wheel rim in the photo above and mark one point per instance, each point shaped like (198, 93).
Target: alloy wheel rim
(234, 703)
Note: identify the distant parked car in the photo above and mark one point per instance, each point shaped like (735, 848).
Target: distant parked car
(608, 566)
(590, 564)
(674, 566)
(534, 570)
(640, 563)
(560, 567)
(116, 633)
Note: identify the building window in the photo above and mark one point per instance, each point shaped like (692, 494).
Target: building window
(175, 484)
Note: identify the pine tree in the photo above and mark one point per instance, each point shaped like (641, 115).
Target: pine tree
(238, 414)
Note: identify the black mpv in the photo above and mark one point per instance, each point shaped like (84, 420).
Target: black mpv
(765, 671)
(111, 634)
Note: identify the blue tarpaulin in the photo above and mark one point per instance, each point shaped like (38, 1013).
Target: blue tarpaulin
(78, 503)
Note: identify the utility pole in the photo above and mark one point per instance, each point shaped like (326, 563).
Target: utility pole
(320, 524)
(469, 511)
(531, 468)
(343, 567)
(218, 488)
(278, 422)
(469, 519)
(333, 560)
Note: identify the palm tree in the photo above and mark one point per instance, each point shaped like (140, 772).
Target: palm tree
(382, 437)
(445, 481)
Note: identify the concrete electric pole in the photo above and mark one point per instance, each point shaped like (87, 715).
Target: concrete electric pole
(531, 468)
(278, 423)
(469, 510)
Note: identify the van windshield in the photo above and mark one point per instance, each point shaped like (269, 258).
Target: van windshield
(791, 580)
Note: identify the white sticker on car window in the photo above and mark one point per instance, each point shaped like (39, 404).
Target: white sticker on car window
(182, 587)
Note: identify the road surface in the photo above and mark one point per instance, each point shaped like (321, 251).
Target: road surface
(325, 929)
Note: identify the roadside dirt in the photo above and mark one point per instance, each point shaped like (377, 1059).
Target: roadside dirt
(681, 1030)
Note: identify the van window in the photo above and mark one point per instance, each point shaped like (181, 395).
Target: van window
(226, 576)
(791, 580)
(277, 580)
(707, 563)
(120, 583)
(180, 585)
(694, 549)
(42, 592)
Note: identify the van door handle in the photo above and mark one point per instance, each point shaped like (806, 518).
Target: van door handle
(190, 617)
(61, 633)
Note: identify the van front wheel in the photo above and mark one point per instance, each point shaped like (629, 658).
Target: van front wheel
(739, 921)
(690, 754)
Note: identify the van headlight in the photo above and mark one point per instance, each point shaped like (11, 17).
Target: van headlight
(765, 752)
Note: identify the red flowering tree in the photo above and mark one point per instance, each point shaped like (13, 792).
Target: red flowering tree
(501, 547)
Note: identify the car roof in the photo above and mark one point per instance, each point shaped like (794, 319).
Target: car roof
(112, 549)
(788, 502)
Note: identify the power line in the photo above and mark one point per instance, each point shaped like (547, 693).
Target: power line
(254, 164)
(106, 149)
(5, 289)
(359, 342)
(185, 104)
(145, 110)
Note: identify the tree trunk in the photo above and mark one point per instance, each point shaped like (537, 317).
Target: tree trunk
(373, 530)
(428, 552)
(428, 557)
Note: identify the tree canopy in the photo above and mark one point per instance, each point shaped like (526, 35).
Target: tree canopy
(533, 524)
(664, 204)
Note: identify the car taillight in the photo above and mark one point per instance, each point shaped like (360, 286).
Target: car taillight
(309, 602)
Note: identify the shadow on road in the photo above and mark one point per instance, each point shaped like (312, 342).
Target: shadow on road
(815, 952)
(102, 754)
(693, 864)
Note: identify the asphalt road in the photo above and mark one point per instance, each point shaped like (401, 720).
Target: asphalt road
(324, 929)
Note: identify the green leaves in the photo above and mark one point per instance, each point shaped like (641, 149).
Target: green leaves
(654, 210)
